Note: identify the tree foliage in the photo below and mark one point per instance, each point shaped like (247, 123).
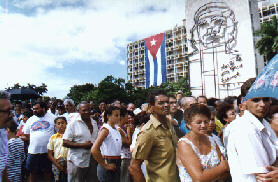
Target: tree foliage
(112, 88)
(109, 89)
(39, 89)
(79, 92)
(268, 43)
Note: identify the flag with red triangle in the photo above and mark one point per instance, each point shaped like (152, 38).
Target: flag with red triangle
(155, 60)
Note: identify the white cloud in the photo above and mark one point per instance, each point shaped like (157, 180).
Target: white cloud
(122, 62)
(56, 35)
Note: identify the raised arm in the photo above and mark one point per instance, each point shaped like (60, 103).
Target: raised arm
(126, 140)
(193, 166)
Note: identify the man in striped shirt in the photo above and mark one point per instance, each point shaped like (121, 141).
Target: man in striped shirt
(5, 115)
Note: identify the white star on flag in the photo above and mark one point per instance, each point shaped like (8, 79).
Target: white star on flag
(153, 42)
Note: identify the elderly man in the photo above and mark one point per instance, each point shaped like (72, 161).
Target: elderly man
(131, 107)
(70, 108)
(185, 103)
(79, 138)
(39, 128)
(6, 113)
(251, 143)
(156, 144)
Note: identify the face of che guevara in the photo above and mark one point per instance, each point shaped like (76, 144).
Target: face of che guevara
(213, 27)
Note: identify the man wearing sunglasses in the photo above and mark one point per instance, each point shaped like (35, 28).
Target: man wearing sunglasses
(5, 115)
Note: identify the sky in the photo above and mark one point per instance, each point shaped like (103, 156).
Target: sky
(67, 42)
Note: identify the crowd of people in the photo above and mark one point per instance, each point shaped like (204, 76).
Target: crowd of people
(169, 138)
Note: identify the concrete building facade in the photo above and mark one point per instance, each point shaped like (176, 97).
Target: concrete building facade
(267, 10)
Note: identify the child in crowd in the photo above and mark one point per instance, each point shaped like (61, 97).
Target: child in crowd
(15, 153)
(56, 152)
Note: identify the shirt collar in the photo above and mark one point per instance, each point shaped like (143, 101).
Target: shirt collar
(156, 122)
(80, 120)
(254, 120)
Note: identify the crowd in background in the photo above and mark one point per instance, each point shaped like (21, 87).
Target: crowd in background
(169, 138)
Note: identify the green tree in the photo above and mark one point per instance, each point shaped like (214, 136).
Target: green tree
(181, 85)
(79, 92)
(268, 43)
(140, 95)
(110, 89)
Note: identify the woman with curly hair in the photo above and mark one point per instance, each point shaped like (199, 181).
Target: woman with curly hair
(226, 114)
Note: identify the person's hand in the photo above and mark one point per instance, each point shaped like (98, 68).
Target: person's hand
(272, 175)
(60, 167)
(224, 164)
(110, 167)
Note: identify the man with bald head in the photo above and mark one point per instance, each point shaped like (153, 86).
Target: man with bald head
(131, 107)
(79, 137)
(185, 103)
(5, 115)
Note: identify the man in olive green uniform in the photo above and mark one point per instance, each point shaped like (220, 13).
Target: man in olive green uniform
(156, 145)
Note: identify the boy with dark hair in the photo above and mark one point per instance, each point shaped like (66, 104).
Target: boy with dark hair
(56, 152)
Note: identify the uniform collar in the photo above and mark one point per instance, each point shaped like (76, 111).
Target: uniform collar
(156, 122)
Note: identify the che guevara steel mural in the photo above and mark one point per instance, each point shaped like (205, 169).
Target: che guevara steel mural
(213, 40)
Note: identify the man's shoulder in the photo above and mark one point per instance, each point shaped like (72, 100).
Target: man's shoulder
(72, 123)
(149, 126)
(50, 116)
(32, 119)
(241, 126)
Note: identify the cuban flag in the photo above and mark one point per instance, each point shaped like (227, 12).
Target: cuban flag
(155, 60)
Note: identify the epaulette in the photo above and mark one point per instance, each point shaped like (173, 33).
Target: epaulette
(147, 126)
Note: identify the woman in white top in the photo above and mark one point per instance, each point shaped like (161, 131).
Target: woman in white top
(199, 154)
(107, 147)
